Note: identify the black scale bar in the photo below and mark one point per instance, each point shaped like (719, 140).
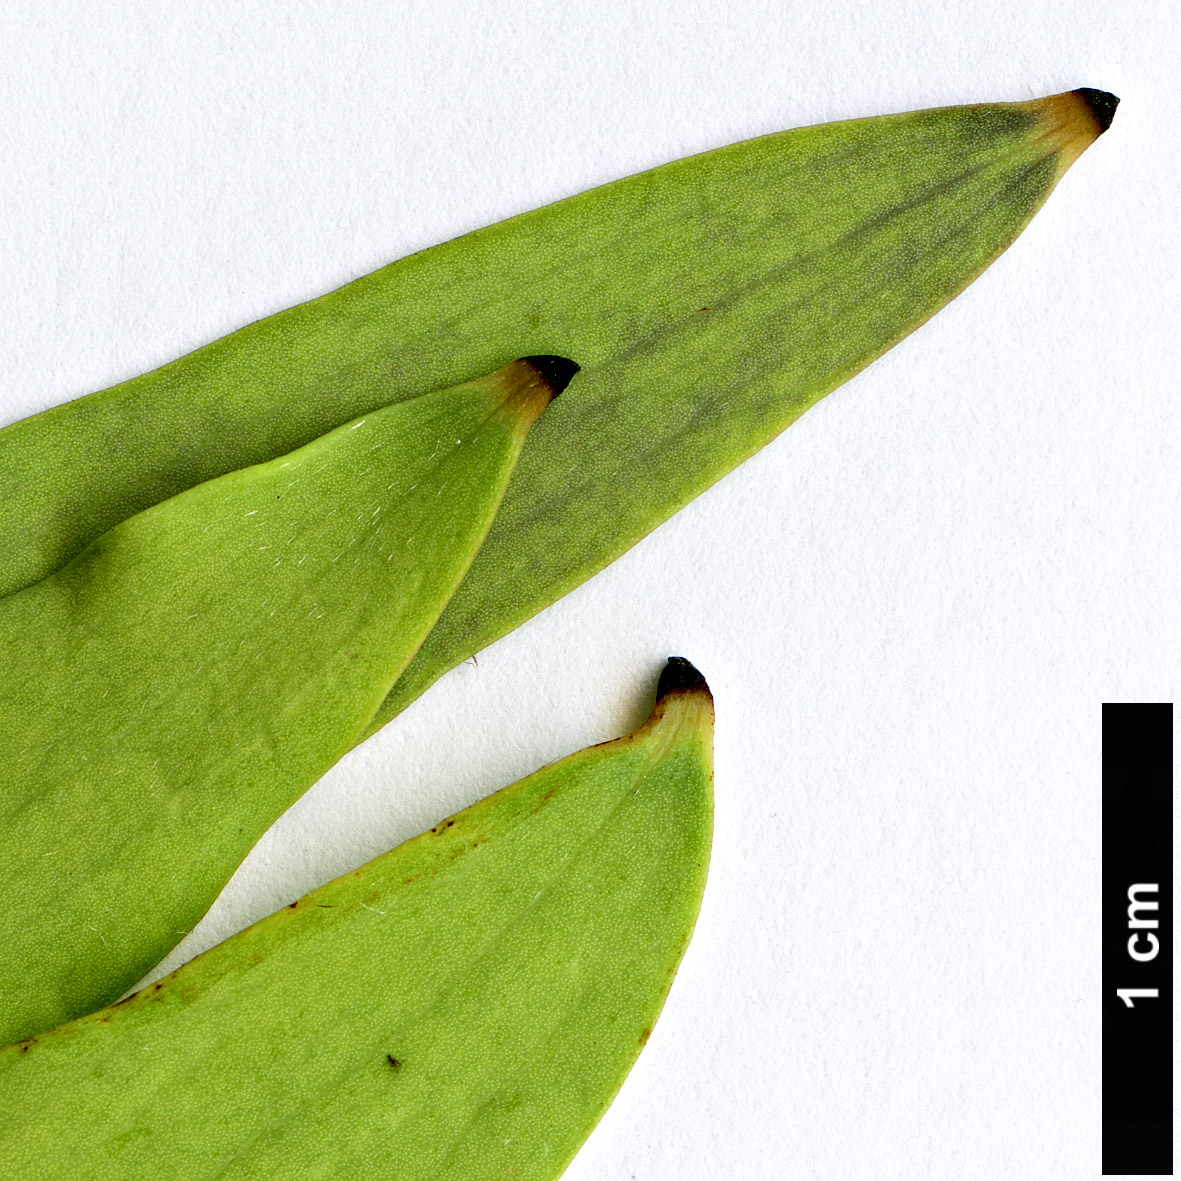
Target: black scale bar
(1138, 940)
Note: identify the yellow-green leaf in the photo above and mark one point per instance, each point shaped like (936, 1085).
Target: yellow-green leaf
(464, 1007)
(710, 302)
(183, 680)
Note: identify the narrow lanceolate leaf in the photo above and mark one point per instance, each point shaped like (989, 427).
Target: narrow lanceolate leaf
(710, 302)
(170, 691)
(463, 1007)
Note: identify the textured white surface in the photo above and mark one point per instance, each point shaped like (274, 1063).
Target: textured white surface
(909, 607)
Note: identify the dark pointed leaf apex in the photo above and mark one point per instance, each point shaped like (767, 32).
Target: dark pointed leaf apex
(680, 676)
(556, 372)
(1102, 104)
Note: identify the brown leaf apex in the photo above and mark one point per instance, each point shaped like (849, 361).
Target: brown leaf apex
(556, 372)
(1101, 103)
(525, 387)
(680, 676)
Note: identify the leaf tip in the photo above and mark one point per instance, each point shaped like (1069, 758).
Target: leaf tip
(679, 676)
(1070, 122)
(527, 386)
(1100, 103)
(554, 372)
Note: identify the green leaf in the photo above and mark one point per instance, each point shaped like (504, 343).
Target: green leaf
(465, 1006)
(183, 680)
(710, 302)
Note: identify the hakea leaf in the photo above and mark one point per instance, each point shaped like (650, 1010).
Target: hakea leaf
(465, 1006)
(188, 676)
(710, 302)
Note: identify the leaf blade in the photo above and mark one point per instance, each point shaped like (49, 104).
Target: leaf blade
(511, 962)
(620, 278)
(190, 674)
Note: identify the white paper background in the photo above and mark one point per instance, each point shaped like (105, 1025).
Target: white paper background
(909, 607)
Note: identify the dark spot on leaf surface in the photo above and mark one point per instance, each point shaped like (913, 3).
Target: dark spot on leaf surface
(394, 1063)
